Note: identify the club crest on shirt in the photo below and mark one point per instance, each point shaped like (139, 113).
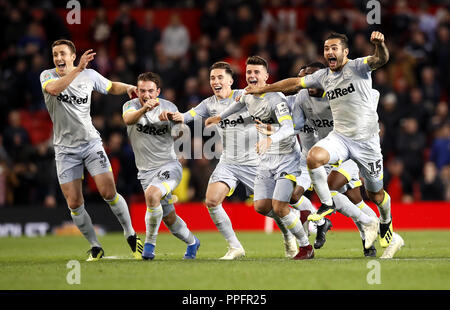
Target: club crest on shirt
(347, 74)
(83, 86)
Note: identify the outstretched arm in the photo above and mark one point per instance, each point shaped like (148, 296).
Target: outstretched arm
(119, 88)
(289, 85)
(381, 55)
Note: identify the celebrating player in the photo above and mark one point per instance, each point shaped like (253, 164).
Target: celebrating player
(159, 169)
(238, 162)
(279, 159)
(313, 106)
(348, 85)
(67, 92)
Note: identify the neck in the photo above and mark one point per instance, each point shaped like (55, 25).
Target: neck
(225, 95)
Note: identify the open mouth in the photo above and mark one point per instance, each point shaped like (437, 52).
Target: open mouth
(332, 61)
(253, 82)
(61, 66)
(217, 88)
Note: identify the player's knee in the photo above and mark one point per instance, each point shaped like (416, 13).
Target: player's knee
(74, 202)
(296, 194)
(153, 196)
(212, 201)
(262, 208)
(280, 208)
(317, 157)
(170, 219)
(376, 197)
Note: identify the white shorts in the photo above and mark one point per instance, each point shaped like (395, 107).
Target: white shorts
(166, 178)
(349, 169)
(70, 161)
(274, 170)
(366, 154)
(232, 175)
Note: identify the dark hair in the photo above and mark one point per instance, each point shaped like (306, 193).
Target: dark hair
(341, 36)
(150, 76)
(257, 60)
(221, 65)
(316, 64)
(65, 42)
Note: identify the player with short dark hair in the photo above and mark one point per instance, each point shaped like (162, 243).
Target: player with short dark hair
(348, 85)
(279, 159)
(67, 92)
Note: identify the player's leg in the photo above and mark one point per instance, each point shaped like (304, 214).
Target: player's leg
(290, 219)
(72, 192)
(180, 230)
(264, 187)
(305, 206)
(69, 168)
(215, 195)
(98, 165)
(338, 178)
(328, 150)
(158, 185)
(370, 164)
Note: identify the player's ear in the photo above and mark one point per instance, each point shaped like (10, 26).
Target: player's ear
(158, 91)
(346, 52)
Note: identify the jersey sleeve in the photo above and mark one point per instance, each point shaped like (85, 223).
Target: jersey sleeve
(235, 107)
(361, 66)
(101, 84)
(46, 77)
(313, 80)
(200, 110)
(129, 106)
(284, 117)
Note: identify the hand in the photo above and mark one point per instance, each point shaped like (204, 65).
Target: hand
(263, 145)
(176, 117)
(212, 120)
(252, 89)
(264, 129)
(85, 59)
(132, 91)
(377, 38)
(164, 116)
(150, 104)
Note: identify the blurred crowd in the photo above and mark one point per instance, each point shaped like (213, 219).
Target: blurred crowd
(414, 85)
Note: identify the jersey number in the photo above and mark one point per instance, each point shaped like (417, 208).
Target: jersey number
(375, 167)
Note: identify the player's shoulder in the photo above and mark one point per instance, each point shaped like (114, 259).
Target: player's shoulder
(166, 104)
(49, 73)
(132, 103)
(275, 96)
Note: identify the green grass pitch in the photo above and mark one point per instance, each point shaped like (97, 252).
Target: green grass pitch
(41, 263)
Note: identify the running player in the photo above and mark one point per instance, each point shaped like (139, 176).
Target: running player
(67, 92)
(279, 159)
(239, 160)
(348, 85)
(159, 169)
(313, 106)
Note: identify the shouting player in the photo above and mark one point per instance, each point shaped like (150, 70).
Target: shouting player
(239, 160)
(159, 169)
(67, 92)
(348, 86)
(279, 159)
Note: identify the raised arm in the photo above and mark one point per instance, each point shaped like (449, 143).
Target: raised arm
(55, 87)
(381, 55)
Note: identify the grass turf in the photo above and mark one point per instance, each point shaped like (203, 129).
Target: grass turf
(41, 263)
